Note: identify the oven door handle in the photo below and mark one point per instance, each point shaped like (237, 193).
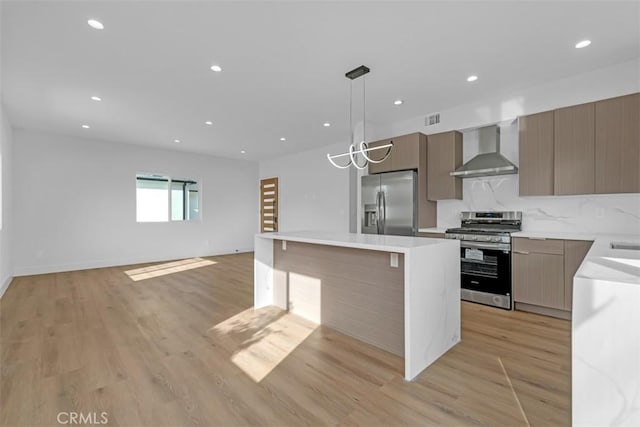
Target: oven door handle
(488, 246)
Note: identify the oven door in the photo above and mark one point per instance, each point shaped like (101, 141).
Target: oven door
(486, 267)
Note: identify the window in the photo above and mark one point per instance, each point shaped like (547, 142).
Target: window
(160, 198)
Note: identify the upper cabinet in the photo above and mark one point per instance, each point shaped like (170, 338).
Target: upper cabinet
(404, 156)
(536, 154)
(385, 166)
(406, 152)
(574, 150)
(583, 149)
(444, 155)
(617, 145)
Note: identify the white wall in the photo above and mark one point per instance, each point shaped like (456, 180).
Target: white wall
(597, 213)
(75, 201)
(314, 195)
(6, 225)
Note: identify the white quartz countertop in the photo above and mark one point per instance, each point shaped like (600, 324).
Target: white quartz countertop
(555, 235)
(401, 244)
(432, 230)
(604, 263)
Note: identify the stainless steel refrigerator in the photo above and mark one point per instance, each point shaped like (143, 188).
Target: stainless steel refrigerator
(389, 203)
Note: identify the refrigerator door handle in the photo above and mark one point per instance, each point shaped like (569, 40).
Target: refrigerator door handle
(384, 212)
(378, 212)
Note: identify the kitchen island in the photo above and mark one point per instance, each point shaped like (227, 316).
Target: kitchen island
(401, 294)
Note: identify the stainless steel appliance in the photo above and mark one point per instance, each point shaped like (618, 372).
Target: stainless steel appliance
(489, 161)
(389, 203)
(485, 256)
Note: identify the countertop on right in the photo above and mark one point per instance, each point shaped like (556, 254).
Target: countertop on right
(605, 341)
(603, 261)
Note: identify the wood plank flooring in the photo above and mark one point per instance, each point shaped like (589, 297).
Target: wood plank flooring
(186, 348)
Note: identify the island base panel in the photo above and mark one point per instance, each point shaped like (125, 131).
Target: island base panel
(355, 291)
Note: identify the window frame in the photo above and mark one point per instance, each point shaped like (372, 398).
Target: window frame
(185, 205)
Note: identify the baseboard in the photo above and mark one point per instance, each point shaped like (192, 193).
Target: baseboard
(545, 311)
(88, 265)
(5, 285)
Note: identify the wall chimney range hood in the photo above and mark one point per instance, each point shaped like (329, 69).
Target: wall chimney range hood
(489, 162)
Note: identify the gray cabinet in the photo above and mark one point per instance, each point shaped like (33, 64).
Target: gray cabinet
(584, 149)
(617, 145)
(404, 156)
(574, 150)
(406, 152)
(543, 271)
(538, 272)
(536, 154)
(444, 155)
(384, 166)
(431, 234)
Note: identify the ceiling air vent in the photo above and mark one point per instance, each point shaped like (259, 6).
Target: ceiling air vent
(432, 119)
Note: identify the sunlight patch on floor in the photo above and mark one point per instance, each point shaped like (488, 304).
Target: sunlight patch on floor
(263, 338)
(167, 268)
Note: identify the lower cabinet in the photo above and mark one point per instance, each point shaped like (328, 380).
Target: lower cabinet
(539, 279)
(543, 271)
(431, 234)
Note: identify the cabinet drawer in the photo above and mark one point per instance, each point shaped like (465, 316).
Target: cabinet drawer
(544, 246)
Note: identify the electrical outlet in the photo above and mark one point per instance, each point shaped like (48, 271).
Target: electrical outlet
(394, 260)
(284, 245)
(600, 212)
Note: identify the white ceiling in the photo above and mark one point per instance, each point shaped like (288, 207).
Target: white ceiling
(284, 64)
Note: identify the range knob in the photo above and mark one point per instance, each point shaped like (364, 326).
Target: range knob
(474, 237)
(495, 239)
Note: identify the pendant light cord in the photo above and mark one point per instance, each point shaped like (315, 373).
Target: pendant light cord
(351, 113)
(364, 108)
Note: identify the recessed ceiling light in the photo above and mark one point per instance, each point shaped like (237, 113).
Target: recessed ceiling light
(85, 126)
(326, 124)
(208, 122)
(96, 98)
(95, 24)
(216, 68)
(583, 43)
(398, 102)
(283, 139)
(177, 141)
(242, 151)
(472, 78)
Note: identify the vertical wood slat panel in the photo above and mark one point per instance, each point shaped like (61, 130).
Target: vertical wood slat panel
(574, 150)
(536, 154)
(354, 291)
(618, 145)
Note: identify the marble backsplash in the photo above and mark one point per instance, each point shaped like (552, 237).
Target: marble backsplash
(608, 213)
(598, 213)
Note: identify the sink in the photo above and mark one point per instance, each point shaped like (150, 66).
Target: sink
(625, 246)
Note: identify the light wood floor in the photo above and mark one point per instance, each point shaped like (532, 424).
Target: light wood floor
(183, 349)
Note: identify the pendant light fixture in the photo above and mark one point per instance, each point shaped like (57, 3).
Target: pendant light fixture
(362, 148)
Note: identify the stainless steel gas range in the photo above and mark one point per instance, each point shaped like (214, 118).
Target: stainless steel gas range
(485, 256)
